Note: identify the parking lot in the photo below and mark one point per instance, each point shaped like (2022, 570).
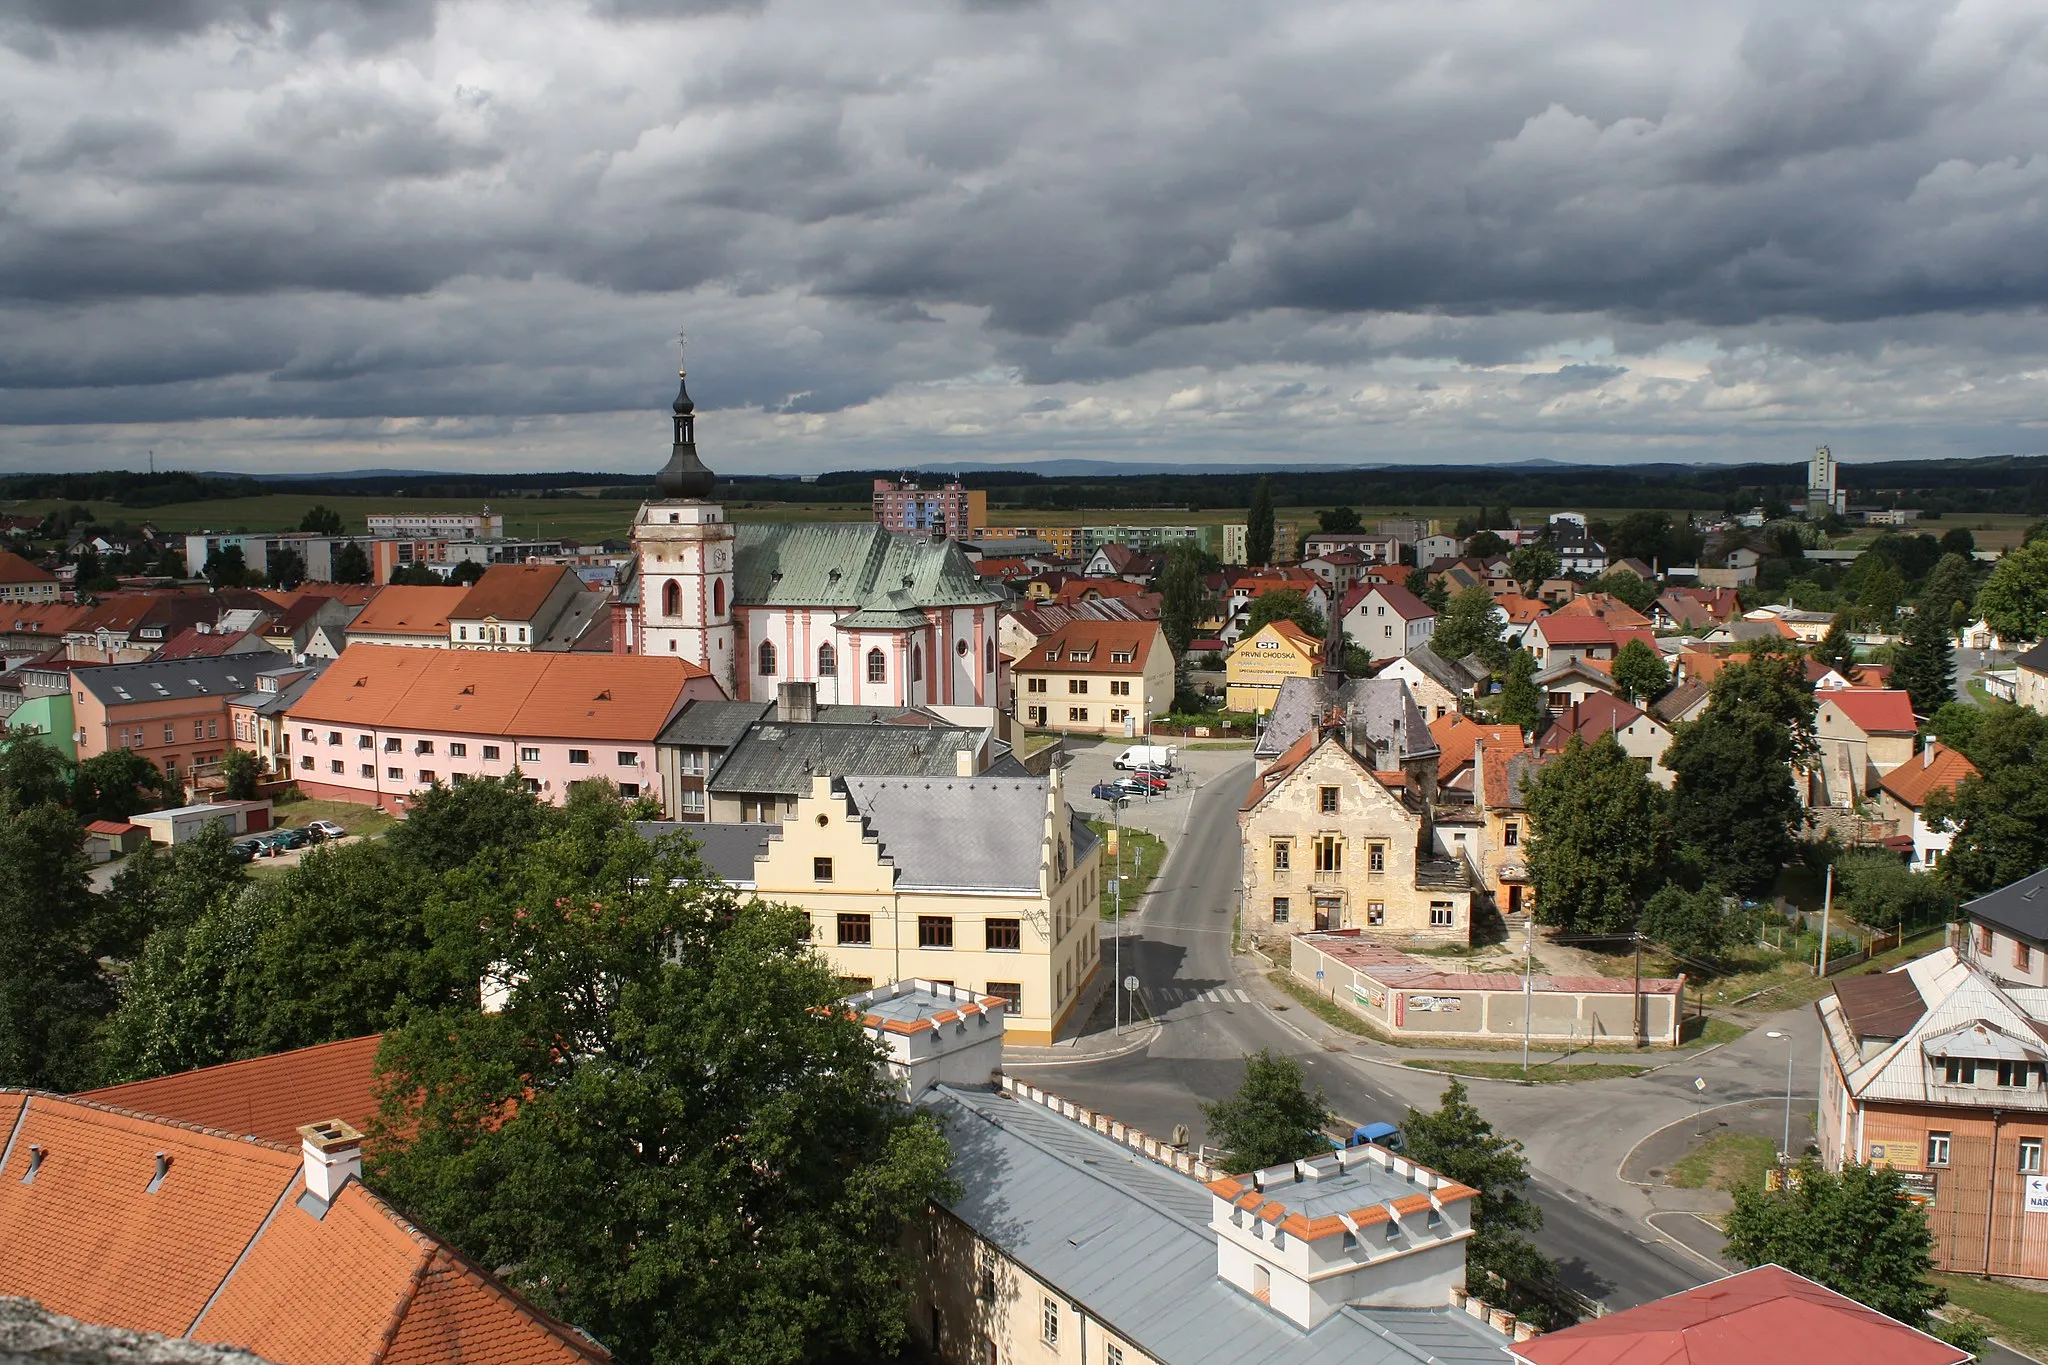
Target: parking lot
(1090, 762)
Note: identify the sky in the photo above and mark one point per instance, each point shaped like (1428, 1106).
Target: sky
(282, 235)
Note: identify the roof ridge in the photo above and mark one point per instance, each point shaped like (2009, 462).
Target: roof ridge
(241, 1139)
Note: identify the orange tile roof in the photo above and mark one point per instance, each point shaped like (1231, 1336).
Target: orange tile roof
(1521, 610)
(267, 1097)
(1875, 711)
(40, 618)
(1280, 769)
(512, 592)
(485, 692)
(225, 1252)
(1938, 768)
(1607, 607)
(1100, 640)
(1457, 735)
(405, 609)
(15, 569)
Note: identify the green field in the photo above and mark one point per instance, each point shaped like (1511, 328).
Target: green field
(1726, 1161)
(1142, 856)
(2018, 1317)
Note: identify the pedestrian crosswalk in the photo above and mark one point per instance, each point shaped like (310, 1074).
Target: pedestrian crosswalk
(1217, 995)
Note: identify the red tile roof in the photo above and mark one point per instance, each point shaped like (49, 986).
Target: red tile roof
(1765, 1316)
(1938, 768)
(223, 1251)
(485, 692)
(15, 569)
(512, 592)
(1875, 711)
(1100, 641)
(266, 1097)
(1398, 599)
(193, 643)
(1576, 630)
(40, 618)
(1607, 607)
(406, 609)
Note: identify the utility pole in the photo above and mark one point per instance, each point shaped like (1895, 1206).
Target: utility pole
(1638, 937)
(1116, 815)
(1827, 906)
(1528, 987)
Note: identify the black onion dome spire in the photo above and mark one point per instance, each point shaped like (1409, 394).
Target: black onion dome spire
(684, 476)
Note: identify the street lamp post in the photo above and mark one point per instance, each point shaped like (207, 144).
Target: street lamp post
(1785, 1148)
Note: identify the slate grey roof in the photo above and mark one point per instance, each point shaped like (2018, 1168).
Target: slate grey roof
(712, 724)
(278, 702)
(173, 679)
(851, 565)
(1455, 677)
(774, 758)
(979, 833)
(1678, 700)
(2021, 908)
(1381, 710)
(1130, 1240)
(728, 851)
(2035, 660)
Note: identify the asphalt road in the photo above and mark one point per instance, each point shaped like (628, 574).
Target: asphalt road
(1184, 953)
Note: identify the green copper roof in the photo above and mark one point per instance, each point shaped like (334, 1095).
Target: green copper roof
(858, 566)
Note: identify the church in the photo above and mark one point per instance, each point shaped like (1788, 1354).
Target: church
(873, 617)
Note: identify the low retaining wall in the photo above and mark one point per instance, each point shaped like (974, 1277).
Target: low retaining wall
(1413, 998)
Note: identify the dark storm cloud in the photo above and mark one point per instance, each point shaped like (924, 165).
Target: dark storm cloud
(337, 209)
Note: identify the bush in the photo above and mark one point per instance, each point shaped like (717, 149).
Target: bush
(1882, 892)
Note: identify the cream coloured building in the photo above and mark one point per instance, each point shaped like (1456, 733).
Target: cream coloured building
(989, 884)
(1328, 843)
(1095, 678)
(1262, 661)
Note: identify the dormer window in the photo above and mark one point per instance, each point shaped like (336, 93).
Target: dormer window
(1122, 656)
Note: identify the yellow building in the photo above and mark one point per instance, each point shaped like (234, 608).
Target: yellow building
(1272, 654)
(988, 884)
(1095, 678)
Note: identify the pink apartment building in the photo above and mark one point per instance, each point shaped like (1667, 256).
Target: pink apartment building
(385, 721)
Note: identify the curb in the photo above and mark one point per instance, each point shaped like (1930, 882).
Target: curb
(1149, 1034)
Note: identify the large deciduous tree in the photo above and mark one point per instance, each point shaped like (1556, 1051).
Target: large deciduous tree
(1521, 701)
(52, 992)
(2000, 816)
(351, 564)
(117, 784)
(1735, 806)
(1271, 1119)
(671, 1133)
(2014, 599)
(1180, 596)
(1454, 1139)
(1640, 672)
(1258, 537)
(1468, 626)
(1531, 564)
(1597, 837)
(1283, 604)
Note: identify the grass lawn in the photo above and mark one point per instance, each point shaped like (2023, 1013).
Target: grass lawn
(2013, 1315)
(1726, 1161)
(1541, 1073)
(1220, 744)
(1329, 1011)
(1142, 855)
(367, 821)
(1035, 743)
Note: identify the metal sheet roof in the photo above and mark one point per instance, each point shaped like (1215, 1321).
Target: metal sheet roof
(985, 833)
(850, 565)
(781, 759)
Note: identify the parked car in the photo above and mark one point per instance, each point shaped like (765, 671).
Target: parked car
(1131, 786)
(1146, 780)
(325, 829)
(292, 837)
(1154, 755)
(248, 850)
(1376, 1134)
(269, 843)
(1165, 774)
(1113, 792)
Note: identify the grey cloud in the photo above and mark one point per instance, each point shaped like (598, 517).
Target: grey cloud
(360, 22)
(1567, 378)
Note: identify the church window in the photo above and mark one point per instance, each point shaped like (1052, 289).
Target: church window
(671, 598)
(767, 659)
(718, 597)
(989, 666)
(961, 649)
(878, 667)
(828, 662)
(917, 663)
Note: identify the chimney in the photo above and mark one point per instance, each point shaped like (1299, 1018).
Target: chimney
(796, 703)
(333, 1156)
(1927, 754)
(963, 763)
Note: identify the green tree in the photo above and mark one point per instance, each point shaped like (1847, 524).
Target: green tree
(465, 574)
(1950, 590)
(1854, 1231)
(1531, 564)
(1258, 541)
(1283, 604)
(1882, 892)
(1596, 838)
(1521, 702)
(52, 991)
(351, 565)
(226, 567)
(1627, 587)
(287, 569)
(1181, 596)
(1338, 521)
(1468, 626)
(1485, 544)
(171, 563)
(1957, 540)
(1835, 649)
(1694, 923)
(1925, 661)
(1640, 673)
(446, 827)
(1879, 595)
(32, 771)
(670, 1133)
(1735, 807)
(2014, 599)
(321, 520)
(90, 572)
(238, 772)
(1955, 724)
(117, 784)
(1455, 1140)
(1272, 1118)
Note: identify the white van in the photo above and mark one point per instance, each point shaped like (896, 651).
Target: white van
(1149, 756)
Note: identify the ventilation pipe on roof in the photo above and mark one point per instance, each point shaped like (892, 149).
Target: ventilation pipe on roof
(333, 1156)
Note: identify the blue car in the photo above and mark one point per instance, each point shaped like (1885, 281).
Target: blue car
(1376, 1134)
(1110, 792)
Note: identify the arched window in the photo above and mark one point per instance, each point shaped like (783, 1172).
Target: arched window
(767, 659)
(917, 663)
(828, 661)
(990, 665)
(671, 598)
(717, 597)
(878, 667)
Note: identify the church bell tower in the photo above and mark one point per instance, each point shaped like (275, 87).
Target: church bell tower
(685, 550)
